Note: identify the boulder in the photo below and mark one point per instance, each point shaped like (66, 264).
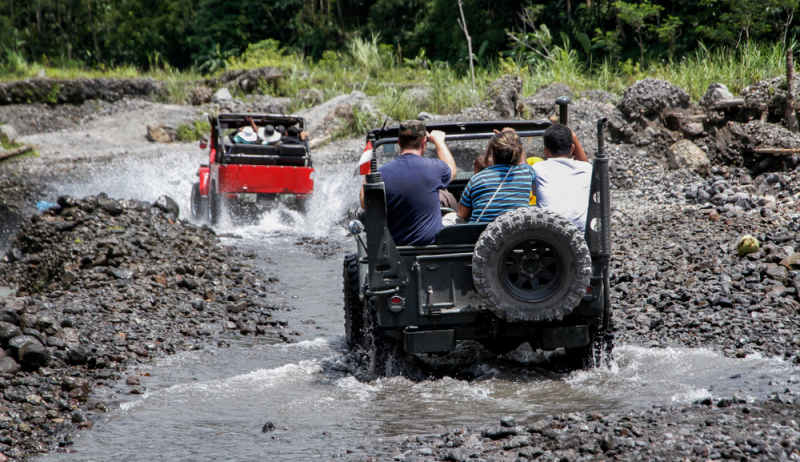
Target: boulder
(716, 93)
(8, 365)
(201, 95)
(30, 353)
(8, 331)
(693, 129)
(167, 205)
(505, 95)
(685, 154)
(157, 134)
(223, 94)
(8, 131)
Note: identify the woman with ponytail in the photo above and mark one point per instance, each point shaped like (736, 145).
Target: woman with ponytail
(504, 186)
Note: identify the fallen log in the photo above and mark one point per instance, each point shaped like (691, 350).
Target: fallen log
(776, 150)
(729, 104)
(15, 152)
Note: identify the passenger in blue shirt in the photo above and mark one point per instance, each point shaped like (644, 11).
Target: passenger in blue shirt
(501, 187)
(412, 183)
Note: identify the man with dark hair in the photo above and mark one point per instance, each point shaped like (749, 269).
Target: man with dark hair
(294, 135)
(564, 178)
(412, 182)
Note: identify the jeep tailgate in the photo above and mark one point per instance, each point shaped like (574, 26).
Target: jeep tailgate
(271, 179)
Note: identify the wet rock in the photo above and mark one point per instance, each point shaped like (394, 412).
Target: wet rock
(132, 380)
(500, 432)
(686, 155)
(8, 331)
(112, 208)
(268, 427)
(30, 353)
(508, 421)
(167, 205)
(78, 355)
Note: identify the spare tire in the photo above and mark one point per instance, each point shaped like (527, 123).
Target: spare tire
(531, 264)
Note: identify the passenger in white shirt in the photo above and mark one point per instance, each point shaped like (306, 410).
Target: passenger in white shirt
(563, 180)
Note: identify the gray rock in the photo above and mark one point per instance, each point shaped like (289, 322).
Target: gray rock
(223, 94)
(78, 355)
(120, 273)
(9, 131)
(505, 96)
(8, 365)
(778, 273)
(8, 331)
(686, 155)
(112, 208)
(716, 93)
(508, 421)
(167, 205)
(693, 129)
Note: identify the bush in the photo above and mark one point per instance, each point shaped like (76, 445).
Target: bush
(195, 131)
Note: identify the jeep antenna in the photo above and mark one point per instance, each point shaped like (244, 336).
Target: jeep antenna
(392, 109)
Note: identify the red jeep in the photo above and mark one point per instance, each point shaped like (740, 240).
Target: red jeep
(244, 179)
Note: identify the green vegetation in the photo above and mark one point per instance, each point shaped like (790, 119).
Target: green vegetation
(411, 52)
(195, 131)
(8, 144)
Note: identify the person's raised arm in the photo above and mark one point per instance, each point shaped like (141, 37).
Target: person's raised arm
(361, 195)
(578, 152)
(437, 138)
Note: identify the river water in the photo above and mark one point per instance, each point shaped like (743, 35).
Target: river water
(211, 404)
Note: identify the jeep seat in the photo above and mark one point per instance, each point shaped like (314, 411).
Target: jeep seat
(467, 233)
(298, 150)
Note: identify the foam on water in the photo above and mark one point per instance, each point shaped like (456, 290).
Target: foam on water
(172, 172)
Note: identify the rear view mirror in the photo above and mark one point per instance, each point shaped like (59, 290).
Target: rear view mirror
(203, 143)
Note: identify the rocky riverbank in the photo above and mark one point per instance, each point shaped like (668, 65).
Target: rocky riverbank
(102, 285)
(730, 428)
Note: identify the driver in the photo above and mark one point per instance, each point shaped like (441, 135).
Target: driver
(412, 183)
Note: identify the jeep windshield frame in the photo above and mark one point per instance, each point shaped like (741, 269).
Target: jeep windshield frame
(460, 131)
(236, 120)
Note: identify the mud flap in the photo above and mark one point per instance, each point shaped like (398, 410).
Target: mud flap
(430, 341)
(551, 338)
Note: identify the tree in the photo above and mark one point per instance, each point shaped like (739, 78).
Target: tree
(535, 38)
(739, 20)
(668, 31)
(636, 16)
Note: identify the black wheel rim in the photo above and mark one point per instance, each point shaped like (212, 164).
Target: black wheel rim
(531, 269)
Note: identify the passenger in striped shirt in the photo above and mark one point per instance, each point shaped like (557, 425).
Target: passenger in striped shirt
(501, 187)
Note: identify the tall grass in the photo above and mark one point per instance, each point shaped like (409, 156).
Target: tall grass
(374, 68)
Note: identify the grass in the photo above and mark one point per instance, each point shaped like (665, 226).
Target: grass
(420, 84)
(195, 131)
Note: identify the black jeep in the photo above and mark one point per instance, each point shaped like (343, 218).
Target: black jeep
(529, 276)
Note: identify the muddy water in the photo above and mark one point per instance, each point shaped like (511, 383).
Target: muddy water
(212, 404)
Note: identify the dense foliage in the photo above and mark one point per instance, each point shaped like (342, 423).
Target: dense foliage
(206, 33)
